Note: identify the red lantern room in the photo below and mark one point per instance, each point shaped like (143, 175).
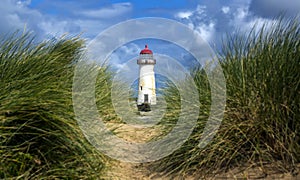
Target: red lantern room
(146, 56)
(146, 50)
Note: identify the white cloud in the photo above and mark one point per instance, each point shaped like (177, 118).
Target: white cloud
(184, 15)
(23, 2)
(243, 20)
(130, 49)
(91, 27)
(124, 54)
(108, 12)
(16, 15)
(206, 31)
(258, 23)
(56, 28)
(225, 9)
(214, 22)
(241, 13)
(199, 21)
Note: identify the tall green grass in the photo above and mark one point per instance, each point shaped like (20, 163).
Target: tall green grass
(39, 137)
(261, 124)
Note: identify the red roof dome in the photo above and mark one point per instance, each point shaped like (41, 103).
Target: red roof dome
(146, 50)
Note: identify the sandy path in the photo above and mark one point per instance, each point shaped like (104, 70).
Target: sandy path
(118, 170)
(143, 131)
(140, 134)
(126, 170)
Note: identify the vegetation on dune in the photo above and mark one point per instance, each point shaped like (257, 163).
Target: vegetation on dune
(104, 96)
(261, 124)
(39, 137)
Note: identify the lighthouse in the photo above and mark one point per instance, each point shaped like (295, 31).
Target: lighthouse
(146, 92)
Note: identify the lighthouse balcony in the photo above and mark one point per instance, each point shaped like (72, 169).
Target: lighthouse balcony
(146, 61)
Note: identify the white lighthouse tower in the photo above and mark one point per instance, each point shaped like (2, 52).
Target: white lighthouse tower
(146, 93)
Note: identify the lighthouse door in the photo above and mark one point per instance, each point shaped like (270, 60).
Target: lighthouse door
(146, 98)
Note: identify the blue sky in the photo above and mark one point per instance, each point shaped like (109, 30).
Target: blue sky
(212, 19)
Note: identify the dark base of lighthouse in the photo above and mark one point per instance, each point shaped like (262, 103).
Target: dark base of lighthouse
(144, 107)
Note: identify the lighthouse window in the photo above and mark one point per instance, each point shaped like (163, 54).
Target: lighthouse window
(141, 87)
(146, 98)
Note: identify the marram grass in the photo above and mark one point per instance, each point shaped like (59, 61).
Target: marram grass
(39, 137)
(261, 123)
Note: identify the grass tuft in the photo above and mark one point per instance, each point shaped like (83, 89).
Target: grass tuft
(261, 123)
(39, 137)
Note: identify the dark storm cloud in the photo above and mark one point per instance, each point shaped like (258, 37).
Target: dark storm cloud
(274, 8)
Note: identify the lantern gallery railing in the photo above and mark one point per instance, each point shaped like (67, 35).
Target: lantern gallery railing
(146, 61)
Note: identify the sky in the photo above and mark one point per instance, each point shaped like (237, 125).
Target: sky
(212, 19)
